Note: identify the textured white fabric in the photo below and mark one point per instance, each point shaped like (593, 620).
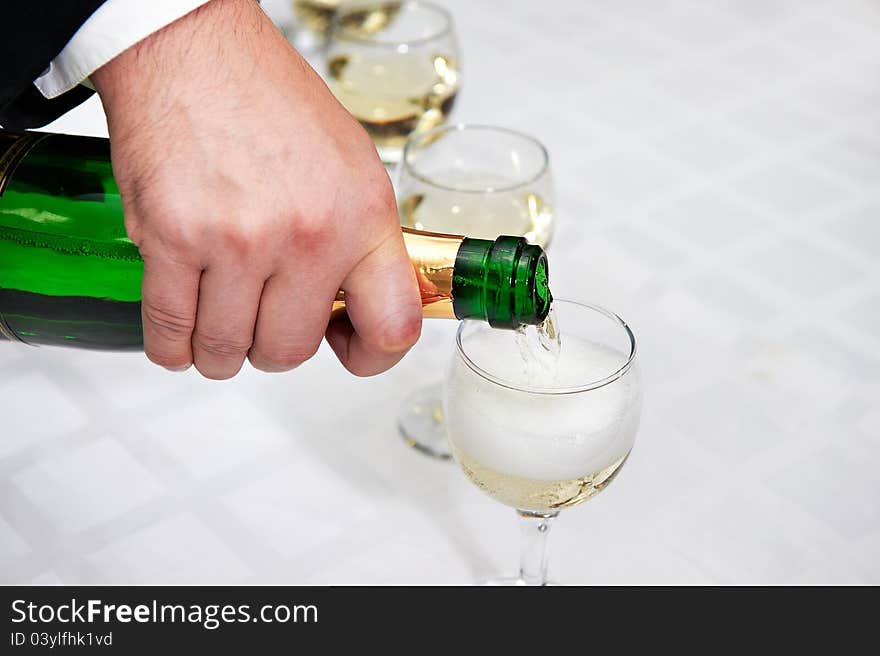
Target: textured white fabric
(114, 27)
(716, 169)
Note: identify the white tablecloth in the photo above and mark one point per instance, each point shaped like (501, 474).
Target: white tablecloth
(717, 169)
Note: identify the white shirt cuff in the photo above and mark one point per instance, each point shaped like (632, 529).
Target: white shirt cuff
(114, 27)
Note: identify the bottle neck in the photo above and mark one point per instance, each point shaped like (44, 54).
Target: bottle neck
(434, 257)
(502, 282)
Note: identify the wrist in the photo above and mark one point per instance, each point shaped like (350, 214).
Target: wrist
(114, 26)
(185, 50)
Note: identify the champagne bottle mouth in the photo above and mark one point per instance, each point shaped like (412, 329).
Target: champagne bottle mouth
(541, 287)
(503, 282)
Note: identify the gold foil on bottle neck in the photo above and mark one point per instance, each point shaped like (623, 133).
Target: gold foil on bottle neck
(433, 258)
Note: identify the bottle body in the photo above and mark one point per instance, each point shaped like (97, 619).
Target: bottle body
(68, 272)
(70, 276)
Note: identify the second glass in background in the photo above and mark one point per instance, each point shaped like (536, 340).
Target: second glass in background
(315, 17)
(474, 180)
(311, 26)
(395, 66)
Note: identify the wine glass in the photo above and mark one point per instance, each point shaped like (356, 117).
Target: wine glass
(310, 29)
(543, 438)
(314, 17)
(395, 66)
(474, 180)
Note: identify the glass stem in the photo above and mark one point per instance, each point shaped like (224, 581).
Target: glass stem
(535, 528)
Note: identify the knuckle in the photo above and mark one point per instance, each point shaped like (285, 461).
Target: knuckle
(169, 220)
(170, 204)
(241, 242)
(133, 228)
(169, 324)
(380, 199)
(314, 230)
(220, 345)
(165, 240)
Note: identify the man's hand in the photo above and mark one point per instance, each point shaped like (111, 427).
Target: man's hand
(253, 197)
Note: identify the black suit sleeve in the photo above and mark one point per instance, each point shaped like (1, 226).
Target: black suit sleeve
(32, 33)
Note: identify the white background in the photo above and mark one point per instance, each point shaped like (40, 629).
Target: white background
(717, 167)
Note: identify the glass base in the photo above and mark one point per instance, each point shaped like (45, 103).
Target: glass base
(512, 582)
(421, 422)
(390, 155)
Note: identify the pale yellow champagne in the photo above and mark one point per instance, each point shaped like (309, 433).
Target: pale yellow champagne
(536, 494)
(394, 94)
(315, 15)
(507, 209)
(365, 20)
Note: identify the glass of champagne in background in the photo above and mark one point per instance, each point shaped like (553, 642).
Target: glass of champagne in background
(310, 29)
(480, 181)
(316, 16)
(543, 429)
(395, 66)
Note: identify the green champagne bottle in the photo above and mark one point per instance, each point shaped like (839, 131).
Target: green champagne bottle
(70, 276)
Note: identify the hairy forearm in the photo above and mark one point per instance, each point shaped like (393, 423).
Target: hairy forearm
(186, 47)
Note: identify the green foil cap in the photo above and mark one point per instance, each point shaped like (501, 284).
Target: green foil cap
(503, 282)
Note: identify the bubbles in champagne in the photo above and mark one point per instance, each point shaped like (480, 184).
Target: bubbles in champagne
(540, 347)
(537, 495)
